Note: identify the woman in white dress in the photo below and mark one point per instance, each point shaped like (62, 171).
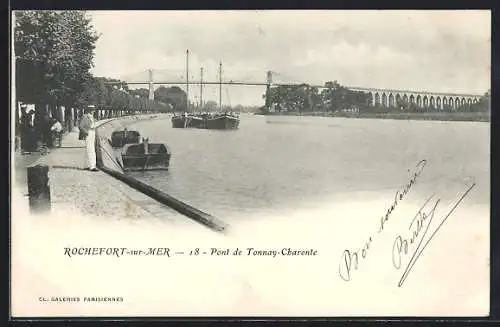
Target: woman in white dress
(87, 127)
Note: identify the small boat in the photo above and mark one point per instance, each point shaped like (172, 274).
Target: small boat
(120, 138)
(221, 121)
(145, 156)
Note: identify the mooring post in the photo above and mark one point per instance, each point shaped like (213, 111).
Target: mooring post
(39, 189)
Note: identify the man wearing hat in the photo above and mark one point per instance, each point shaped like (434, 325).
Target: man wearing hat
(87, 127)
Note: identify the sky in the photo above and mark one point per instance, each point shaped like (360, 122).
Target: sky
(436, 51)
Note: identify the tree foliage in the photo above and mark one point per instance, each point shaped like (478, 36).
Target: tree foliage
(173, 96)
(54, 53)
(484, 103)
(308, 98)
(335, 97)
(141, 92)
(107, 93)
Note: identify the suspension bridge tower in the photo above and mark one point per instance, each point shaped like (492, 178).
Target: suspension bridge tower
(151, 85)
(268, 89)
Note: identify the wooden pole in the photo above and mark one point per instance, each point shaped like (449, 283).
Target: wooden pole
(39, 189)
(268, 90)
(201, 89)
(187, 80)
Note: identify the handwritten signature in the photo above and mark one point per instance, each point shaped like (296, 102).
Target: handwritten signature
(401, 245)
(350, 259)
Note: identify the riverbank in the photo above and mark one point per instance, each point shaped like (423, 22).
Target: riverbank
(336, 182)
(438, 116)
(87, 209)
(76, 192)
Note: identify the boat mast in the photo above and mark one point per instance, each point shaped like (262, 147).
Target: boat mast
(187, 80)
(201, 89)
(228, 99)
(220, 86)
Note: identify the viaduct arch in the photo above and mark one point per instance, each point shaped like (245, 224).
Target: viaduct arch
(436, 100)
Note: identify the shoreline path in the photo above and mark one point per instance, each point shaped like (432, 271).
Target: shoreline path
(93, 194)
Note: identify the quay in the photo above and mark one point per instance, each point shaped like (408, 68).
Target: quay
(93, 194)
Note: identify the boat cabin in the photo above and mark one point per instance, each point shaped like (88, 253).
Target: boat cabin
(120, 138)
(145, 156)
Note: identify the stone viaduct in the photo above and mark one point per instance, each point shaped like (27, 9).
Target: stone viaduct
(391, 98)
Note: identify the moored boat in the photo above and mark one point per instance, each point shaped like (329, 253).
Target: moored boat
(123, 137)
(145, 156)
(186, 121)
(221, 121)
(194, 121)
(179, 121)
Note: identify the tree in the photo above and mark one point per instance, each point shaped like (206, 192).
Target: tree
(142, 93)
(482, 105)
(316, 100)
(331, 95)
(54, 53)
(33, 39)
(73, 54)
(289, 97)
(338, 97)
(95, 92)
(108, 93)
(174, 96)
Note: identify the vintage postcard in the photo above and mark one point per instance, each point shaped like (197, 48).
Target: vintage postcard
(250, 163)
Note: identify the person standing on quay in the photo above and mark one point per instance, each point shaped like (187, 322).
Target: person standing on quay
(26, 130)
(56, 132)
(47, 134)
(42, 128)
(87, 127)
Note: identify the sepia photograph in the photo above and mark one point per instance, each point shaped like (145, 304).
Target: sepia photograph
(210, 163)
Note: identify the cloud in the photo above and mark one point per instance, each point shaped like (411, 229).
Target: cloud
(446, 51)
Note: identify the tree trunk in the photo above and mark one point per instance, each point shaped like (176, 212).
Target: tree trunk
(52, 110)
(68, 118)
(18, 122)
(75, 116)
(17, 125)
(40, 111)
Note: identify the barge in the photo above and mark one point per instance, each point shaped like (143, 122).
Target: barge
(135, 154)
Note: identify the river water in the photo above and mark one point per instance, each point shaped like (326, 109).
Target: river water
(284, 182)
(276, 165)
